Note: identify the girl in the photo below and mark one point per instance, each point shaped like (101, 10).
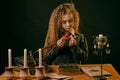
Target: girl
(64, 42)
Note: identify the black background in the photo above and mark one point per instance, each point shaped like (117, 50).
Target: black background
(24, 24)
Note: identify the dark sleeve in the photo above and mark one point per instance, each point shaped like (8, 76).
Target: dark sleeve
(80, 51)
(50, 58)
(52, 55)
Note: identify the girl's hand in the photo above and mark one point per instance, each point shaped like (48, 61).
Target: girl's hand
(72, 41)
(61, 42)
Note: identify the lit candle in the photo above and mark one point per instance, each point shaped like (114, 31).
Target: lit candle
(9, 58)
(40, 57)
(25, 58)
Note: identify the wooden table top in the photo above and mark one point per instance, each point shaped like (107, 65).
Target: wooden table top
(78, 76)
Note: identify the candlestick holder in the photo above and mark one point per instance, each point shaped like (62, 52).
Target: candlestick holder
(39, 72)
(9, 74)
(100, 44)
(24, 73)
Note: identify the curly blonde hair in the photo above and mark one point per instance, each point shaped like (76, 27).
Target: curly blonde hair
(55, 30)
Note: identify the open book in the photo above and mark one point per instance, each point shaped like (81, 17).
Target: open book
(55, 76)
(95, 71)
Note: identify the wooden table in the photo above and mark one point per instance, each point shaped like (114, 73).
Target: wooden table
(81, 75)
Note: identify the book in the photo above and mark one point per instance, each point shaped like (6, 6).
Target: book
(95, 71)
(69, 69)
(55, 76)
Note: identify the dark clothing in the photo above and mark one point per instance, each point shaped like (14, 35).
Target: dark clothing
(69, 54)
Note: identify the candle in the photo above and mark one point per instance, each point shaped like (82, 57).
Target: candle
(9, 58)
(25, 58)
(40, 57)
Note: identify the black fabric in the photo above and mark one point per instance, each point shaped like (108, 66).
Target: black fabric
(67, 54)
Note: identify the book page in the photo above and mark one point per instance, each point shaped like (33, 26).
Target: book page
(58, 76)
(95, 71)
